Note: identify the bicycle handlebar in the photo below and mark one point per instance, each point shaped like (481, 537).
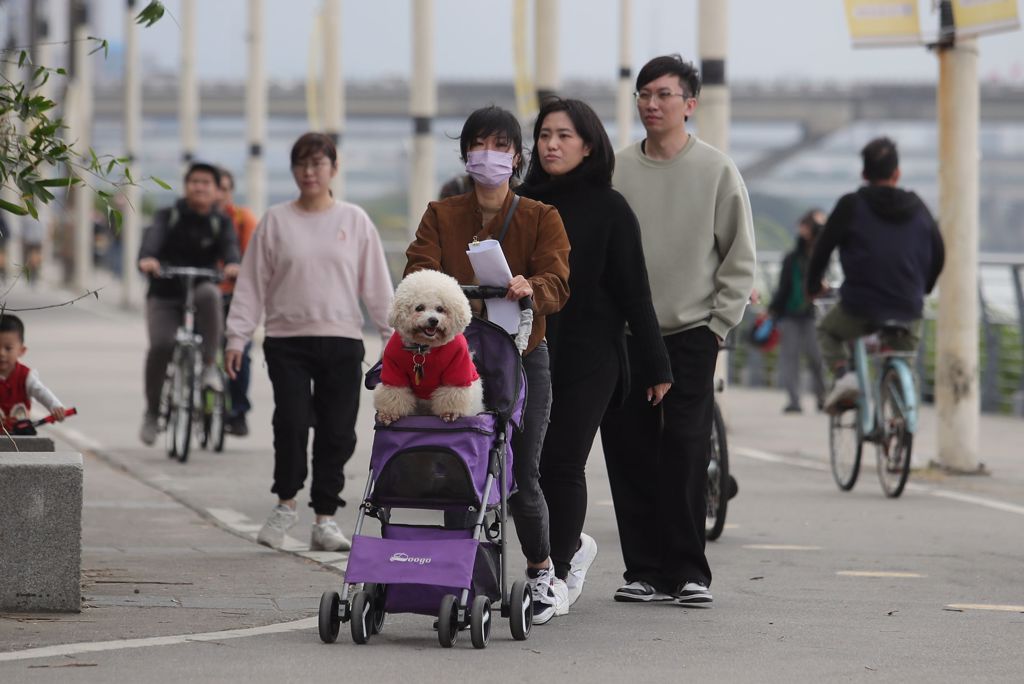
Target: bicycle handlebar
(188, 272)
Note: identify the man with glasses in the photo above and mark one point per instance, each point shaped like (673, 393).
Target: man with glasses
(698, 238)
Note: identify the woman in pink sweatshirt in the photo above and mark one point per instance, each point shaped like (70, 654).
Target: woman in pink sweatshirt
(307, 267)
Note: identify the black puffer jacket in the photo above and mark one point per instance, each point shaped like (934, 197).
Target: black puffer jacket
(890, 250)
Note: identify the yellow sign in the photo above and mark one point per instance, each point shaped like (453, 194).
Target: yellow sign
(883, 22)
(974, 17)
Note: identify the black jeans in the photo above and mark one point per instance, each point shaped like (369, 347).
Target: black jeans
(657, 461)
(580, 400)
(316, 384)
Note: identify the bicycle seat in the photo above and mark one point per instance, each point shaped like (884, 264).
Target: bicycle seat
(897, 326)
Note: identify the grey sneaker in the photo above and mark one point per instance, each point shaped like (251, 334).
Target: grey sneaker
(640, 592)
(550, 596)
(327, 537)
(694, 595)
(844, 392)
(579, 565)
(281, 519)
(212, 379)
(147, 433)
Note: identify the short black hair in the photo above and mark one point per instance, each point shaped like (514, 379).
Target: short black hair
(689, 77)
(488, 121)
(9, 323)
(203, 167)
(881, 159)
(599, 165)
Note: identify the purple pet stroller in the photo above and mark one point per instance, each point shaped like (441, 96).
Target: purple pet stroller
(457, 570)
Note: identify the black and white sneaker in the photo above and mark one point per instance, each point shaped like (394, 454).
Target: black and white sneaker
(693, 594)
(550, 595)
(640, 592)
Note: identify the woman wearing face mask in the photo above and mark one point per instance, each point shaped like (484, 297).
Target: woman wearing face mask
(571, 169)
(537, 251)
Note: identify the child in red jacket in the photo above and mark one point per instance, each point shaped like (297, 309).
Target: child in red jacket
(19, 384)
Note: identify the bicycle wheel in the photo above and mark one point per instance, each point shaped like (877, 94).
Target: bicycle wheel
(216, 415)
(895, 440)
(182, 406)
(718, 479)
(167, 412)
(844, 446)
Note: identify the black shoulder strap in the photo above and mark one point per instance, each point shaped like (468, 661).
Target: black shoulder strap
(508, 218)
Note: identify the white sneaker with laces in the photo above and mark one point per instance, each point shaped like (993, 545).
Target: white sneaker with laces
(579, 565)
(281, 519)
(639, 591)
(327, 537)
(550, 595)
(694, 594)
(212, 379)
(845, 390)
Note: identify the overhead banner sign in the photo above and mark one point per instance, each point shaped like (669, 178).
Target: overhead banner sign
(975, 17)
(883, 22)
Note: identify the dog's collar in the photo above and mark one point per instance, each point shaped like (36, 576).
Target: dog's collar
(417, 348)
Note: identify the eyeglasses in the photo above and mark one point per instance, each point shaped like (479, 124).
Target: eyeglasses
(311, 165)
(644, 96)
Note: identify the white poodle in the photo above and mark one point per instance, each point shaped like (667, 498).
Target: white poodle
(427, 368)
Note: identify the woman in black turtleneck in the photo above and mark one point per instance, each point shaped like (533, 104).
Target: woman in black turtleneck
(571, 169)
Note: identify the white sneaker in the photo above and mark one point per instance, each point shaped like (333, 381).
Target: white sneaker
(327, 537)
(578, 566)
(281, 519)
(150, 426)
(212, 379)
(550, 596)
(845, 390)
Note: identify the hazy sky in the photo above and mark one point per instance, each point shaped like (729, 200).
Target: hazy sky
(769, 40)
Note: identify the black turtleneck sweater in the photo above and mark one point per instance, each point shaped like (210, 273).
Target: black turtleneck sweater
(608, 285)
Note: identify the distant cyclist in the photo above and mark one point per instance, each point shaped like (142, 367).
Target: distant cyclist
(891, 253)
(192, 232)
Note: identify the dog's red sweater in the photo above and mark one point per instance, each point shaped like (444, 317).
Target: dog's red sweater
(449, 365)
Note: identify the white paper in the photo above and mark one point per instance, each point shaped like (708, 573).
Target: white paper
(491, 269)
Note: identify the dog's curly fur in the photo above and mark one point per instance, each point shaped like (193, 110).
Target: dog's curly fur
(429, 309)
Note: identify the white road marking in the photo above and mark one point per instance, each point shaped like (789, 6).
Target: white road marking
(986, 606)
(98, 646)
(781, 547)
(994, 504)
(879, 573)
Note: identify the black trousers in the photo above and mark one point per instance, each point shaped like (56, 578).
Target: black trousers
(580, 399)
(316, 384)
(657, 460)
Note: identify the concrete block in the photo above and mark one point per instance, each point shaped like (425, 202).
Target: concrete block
(25, 444)
(40, 532)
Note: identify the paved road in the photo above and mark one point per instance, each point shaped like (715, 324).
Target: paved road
(810, 584)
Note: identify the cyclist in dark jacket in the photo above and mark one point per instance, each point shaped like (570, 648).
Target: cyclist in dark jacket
(891, 253)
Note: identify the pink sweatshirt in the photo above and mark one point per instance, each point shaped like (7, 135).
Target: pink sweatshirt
(307, 271)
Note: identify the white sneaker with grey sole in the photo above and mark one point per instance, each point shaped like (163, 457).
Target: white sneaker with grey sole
(579, 565)
(327, 537)
(844, 391)
(281, 519)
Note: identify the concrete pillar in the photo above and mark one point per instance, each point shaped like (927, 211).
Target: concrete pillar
(545, 47)
(256, 113)
(625, 104)
(957, 399)
(188, 85)
(334, 87)
(131, 226)
(82, 135)
(713, 113)
(423, 109)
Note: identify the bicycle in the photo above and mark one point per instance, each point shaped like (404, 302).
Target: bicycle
(885, 416)
(186, 405)
(719, 479)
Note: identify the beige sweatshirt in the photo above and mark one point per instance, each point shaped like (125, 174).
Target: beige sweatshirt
(308, 271)
(697, 233)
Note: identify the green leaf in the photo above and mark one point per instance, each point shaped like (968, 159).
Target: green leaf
(55, 182)
(150, 14)
(31, 207)
(161, 183)
(21, 58)
(15, 209)
(102, 45)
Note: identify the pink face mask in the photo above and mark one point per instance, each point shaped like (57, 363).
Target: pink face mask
(489, 168)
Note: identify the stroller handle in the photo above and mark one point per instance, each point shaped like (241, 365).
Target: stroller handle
(482, 292)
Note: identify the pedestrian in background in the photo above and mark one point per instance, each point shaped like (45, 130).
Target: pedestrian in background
(571, 169)
(698, 238)
(309, 264)
(244, 222)
(793, 311)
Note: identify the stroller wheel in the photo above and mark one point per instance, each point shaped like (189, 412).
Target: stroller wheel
(448, 621)
(361, 617)
(520, 614)
(376, 592)
(480, 622)
(330, 621)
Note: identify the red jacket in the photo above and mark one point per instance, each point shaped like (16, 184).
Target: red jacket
(450, 365)
(14, 393)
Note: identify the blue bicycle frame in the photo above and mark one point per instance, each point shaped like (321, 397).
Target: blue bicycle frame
(867, 402)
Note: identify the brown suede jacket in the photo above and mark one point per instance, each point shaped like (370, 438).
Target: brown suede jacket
(536, 247)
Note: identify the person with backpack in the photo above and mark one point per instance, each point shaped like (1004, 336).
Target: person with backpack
(193, 232)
